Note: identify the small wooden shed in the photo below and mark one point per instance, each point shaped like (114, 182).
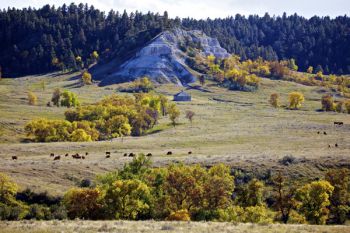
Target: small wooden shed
(182, 96)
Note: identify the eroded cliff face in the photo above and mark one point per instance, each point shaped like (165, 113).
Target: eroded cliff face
(162, 60)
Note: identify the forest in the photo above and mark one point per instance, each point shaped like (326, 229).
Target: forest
(34, 41)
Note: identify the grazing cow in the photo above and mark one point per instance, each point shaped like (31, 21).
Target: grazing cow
(86, 153)
(82, 157)
(52, 155)
(325, 133)
(125, 154)
(108, 156)
(169, 153)
(57, 158)
(318, 132)
(190, 152)
(66, 155)
(14, 157)
(149, 155)
(131, 155)
(76, 156)
(336, 145)
(108, 153)
(339, 123)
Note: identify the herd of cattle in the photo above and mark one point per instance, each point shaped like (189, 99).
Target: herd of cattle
(108, 155)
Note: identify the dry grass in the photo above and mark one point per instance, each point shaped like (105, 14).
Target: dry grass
(152, 226)
(236, 128)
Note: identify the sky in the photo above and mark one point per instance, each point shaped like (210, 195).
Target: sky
(202, 9)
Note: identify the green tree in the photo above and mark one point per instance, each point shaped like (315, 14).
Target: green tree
(69, 99)
(314, 201)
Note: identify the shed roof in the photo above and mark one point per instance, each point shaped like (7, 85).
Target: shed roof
(182, 93)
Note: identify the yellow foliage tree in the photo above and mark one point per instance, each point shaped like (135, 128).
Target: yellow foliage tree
(32, 98)
(174, 113)
(86, 78)
(295, 100)
(314, 201)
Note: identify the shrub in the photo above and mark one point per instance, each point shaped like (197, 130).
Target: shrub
(258, 214)
(296, 218)
(86, 78)
(288, 159)
(69, 99)
(82, 203)
(189, 115)
(347, 106)
(32, 98)
(295, 100)
(327, 103)
(180, 215)
(56, 95)
(339, 107)
(274, 100)
(231, 214)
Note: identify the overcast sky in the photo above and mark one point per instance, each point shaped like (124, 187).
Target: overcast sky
(207, 8)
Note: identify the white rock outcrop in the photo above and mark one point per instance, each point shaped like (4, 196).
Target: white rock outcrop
(163, 61)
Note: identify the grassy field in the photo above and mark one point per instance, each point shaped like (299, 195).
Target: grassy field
(237, 128)
(152, 226)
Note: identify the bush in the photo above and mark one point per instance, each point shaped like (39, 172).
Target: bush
(86, 78)
(288, 159)
(231, 214)
(83, 203)
(327, 103)
(180, 215)
(258, 214)
(69, 99)
(339, 107)
(274, 100)
(347, 106)
(295, 100)
(32, 98)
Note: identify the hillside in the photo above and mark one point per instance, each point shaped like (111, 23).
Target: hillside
(162, 60)
(237, 128)
(36, 41)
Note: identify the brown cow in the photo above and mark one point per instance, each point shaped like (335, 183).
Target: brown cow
(325, 133)
(14, 157)
(125, 154)
(66, 155)
(149, 155)
(336, 145)
(52, 155)
(190, 152)
(131, 155)
(86, 153)
(108, 156)
(169, 153)
(83, 157)
(57, 158)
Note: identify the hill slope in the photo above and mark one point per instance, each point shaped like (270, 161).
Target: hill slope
(162, 60)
